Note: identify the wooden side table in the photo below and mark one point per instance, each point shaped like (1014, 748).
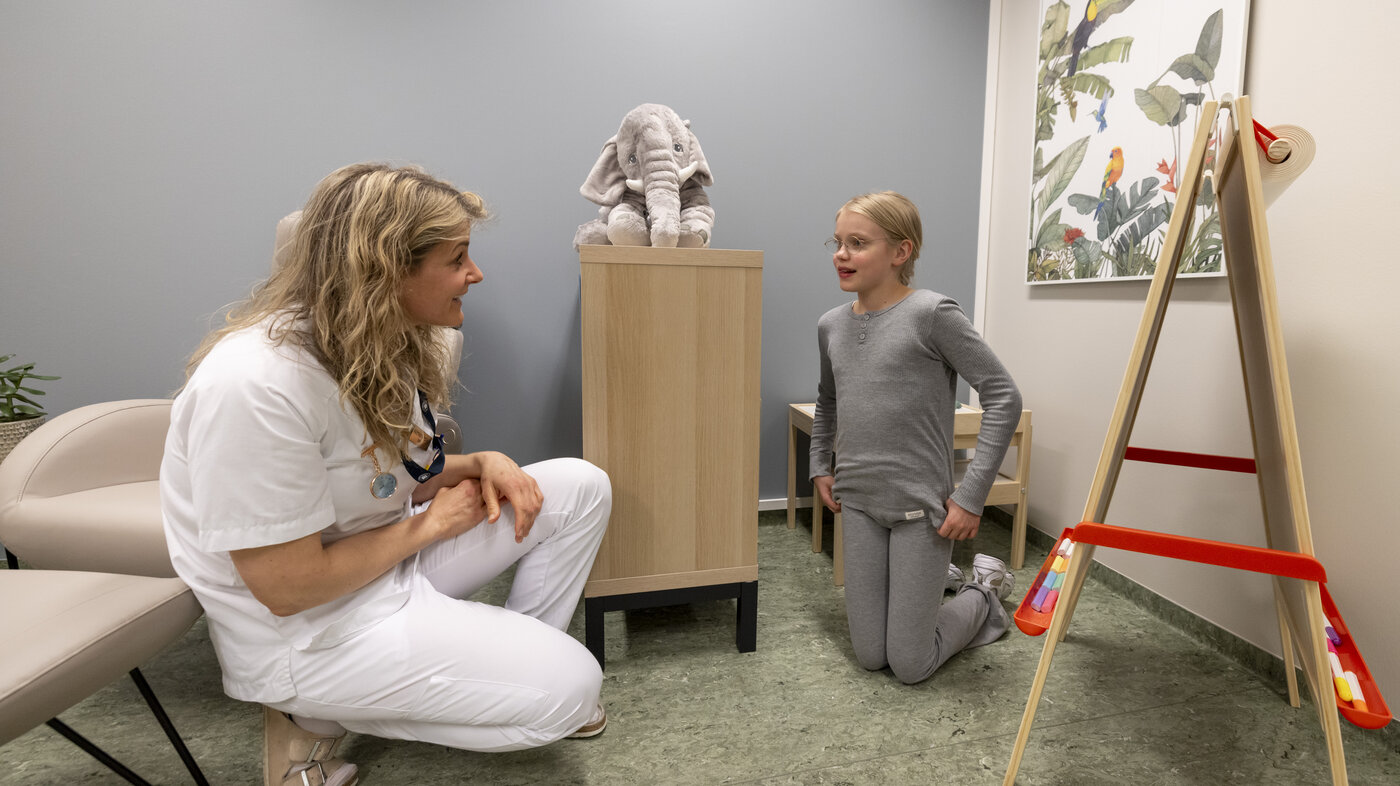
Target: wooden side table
(967, 421)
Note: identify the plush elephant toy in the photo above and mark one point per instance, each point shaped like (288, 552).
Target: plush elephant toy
(650, 180)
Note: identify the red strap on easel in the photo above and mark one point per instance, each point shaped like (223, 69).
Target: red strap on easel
(1211, 552)
(1198, 460)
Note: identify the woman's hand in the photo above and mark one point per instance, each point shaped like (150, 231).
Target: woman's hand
(959, 524)
(823, 484)
(503, 479)
(456, 509)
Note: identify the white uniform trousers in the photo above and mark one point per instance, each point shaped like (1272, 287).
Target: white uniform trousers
(472, 675)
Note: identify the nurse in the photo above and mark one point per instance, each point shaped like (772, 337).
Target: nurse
(309, 505)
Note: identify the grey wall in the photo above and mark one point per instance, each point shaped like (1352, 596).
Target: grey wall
(148, 149)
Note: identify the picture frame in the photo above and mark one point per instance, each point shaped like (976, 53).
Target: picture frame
(1119, 89)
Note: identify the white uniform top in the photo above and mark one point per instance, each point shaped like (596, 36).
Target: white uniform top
(261, 451)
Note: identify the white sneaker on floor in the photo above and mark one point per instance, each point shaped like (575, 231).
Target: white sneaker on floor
(992, 572)
(956, 578)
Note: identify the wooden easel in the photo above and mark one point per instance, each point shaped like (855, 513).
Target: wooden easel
(1298, 577)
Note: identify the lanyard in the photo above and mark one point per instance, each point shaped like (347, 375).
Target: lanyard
(419, 473)
(384, 484)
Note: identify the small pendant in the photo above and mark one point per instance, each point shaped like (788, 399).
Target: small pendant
(383, 485)
(420, 438)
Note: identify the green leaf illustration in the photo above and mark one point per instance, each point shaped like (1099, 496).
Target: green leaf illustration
(1060, 171)
(1160, 103)
(1051, 236)
(1053, 30)
(1084, 203)
(1115, 51)
(1088, 257)
(1208, 45)
(1093, 84)
(1045, 117)
(1194, 68)
(1147, 223)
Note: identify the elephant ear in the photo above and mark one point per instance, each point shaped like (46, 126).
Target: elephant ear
(605, 182)
(697, 156)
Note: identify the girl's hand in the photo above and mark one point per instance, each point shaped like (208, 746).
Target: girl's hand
(823, 484)
(959, 524)
(503, 479)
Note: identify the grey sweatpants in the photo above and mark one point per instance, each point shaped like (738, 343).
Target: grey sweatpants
(895, 576)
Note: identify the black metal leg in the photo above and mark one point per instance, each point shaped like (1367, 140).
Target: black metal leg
(169, 728)
(593, 627)
(11, 560)
(746, 617)
(96, 752)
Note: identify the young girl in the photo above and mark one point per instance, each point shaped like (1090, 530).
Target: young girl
(889, 368)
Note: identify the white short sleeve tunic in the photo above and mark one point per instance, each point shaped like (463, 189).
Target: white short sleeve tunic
(261, 451)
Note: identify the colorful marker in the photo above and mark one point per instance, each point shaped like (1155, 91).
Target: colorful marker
(1039, 602)
(1337, 672)
(1358, 699)
(1343, 687)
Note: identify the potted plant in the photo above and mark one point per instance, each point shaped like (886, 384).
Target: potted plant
(19, 414)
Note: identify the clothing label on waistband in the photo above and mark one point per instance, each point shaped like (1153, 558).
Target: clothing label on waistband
(913, 514)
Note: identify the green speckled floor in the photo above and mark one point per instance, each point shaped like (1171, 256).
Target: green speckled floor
(1130, 699)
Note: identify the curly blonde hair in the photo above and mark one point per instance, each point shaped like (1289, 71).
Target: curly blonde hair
(364, 230)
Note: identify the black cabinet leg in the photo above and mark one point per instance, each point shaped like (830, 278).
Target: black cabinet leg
(593, 627)
(746, 636)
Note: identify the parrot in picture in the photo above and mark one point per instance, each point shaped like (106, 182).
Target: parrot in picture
(1111, 173)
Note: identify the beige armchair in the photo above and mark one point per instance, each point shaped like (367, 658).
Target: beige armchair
(80, 502)
(71, 633)
(82, 491)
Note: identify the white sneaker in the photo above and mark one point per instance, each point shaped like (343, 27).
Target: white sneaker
(992, 572)
(956, 578)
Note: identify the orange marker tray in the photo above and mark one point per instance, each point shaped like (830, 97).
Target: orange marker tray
(1377, 714)
(1030, 621)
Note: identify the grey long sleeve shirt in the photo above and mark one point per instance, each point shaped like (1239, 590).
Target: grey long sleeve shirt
(885, 406)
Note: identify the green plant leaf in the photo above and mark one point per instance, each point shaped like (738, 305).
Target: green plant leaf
(1053, 29)
(1117, 50)
(1208, 45)
(1060, 171)
(1194, 68)
(1147, 223)
(1161, 104)
(1088, 258)
(1206, 197)
(1092, 84)
(1084, 203)
(1045, 110)
(1053, 218)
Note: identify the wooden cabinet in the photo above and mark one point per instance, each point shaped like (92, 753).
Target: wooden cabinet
(671, 342)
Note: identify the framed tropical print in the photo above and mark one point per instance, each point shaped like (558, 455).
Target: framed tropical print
(1119, 90)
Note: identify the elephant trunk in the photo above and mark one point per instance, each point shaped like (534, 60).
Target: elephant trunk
(661, 185)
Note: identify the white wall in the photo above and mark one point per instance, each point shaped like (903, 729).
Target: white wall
(1068, 345)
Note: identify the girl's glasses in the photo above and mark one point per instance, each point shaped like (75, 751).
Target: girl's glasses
(853, 245)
